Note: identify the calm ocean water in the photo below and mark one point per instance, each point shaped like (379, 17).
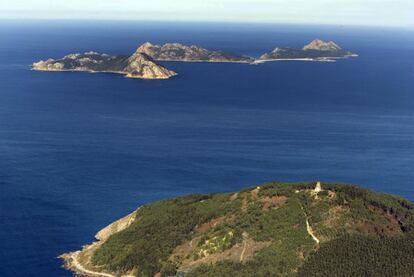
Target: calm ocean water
(79, 150)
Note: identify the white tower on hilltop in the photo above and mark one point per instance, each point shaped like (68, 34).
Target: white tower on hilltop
(318, 187)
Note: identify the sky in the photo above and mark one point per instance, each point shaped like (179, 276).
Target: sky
(338, 12)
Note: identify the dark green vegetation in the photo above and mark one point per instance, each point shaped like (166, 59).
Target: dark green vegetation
(160, 228)
(263, 232)
(362, 256)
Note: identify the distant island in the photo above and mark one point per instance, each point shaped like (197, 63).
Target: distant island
(142, 64)
(317, 50)
(275, 229)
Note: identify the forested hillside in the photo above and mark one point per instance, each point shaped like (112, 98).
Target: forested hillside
(276, 229)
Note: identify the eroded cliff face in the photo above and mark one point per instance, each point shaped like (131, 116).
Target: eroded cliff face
(180, 52)
(136, 66)
(140, 65)
(116, 227)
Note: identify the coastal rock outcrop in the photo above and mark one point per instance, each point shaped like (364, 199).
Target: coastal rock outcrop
(138, 65)
(180, 52)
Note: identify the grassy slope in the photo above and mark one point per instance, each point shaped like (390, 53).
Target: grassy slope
(339, 215)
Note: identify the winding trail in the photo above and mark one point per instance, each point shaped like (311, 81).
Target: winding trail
(309, 227)
(243, 251)
(80, 268)
(75, 264)
(310, 231)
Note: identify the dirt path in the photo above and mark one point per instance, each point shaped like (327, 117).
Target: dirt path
(310, 232)
(75, 264)
(309, 227)
(80, 268)
(243, 251)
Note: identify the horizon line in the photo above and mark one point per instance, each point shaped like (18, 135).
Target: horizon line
(183, 21)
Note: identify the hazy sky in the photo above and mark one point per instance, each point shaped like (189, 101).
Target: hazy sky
(347, 12)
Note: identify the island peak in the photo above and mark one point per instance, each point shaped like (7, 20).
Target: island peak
(321, 45)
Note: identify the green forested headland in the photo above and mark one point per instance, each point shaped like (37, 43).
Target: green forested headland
(275, 229)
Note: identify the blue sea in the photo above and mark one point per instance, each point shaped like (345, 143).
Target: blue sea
(80, 150)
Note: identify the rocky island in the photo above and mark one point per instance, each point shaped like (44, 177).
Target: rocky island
(142, 64)
(184, 53)
(138, 65)
(275, 229)
(317, 50)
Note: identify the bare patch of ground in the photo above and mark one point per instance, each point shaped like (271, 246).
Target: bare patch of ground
(331, 194)
(255, 193)
(334, 216)
(273, 202)
(240, 252)
(267, 202)
(203, 228)
(301, 255)
(184, 250)
(385, 224)
(234, 196)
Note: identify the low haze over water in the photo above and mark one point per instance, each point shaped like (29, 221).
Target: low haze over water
(79, 150)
